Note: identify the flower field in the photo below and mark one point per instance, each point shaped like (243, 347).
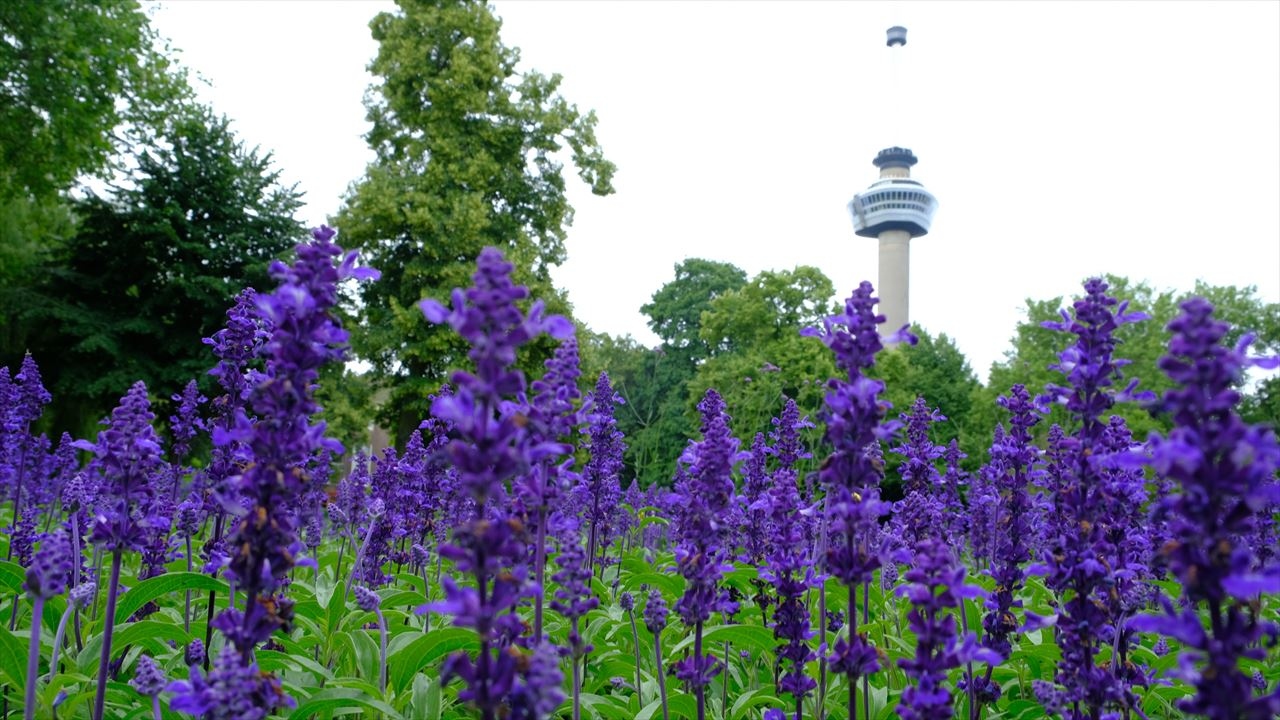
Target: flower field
(231, 561)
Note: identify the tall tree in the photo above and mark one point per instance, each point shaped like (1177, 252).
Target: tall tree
(758, 357)
(81, 82)
(468, 153)
(153, 268)
(675, 312)
(77, 78)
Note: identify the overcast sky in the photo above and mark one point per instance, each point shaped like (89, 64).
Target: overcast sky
(1061, 139)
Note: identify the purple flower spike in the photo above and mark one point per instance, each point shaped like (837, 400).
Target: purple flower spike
(148, 678)
(936, 587)
(366, 599)
(230, 691)
(655, 613)
(127, 453)
(50, 568)
(194, 653)
(1224, 470)
(491, 444)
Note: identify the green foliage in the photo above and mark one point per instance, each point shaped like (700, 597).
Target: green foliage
(759, 358)
(652, 416)
(346, 397)
(78, 78)
(153, 269)
(468, 154)
(675, 312)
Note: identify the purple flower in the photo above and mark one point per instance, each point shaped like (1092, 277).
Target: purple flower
(148, 678)
(230, 691)
(936, 586)
(127, 453)
(194, 653)
(366, 599)
(753, 517)
(1082, 558)
(573, 598)
(1012, 472)
(655, 613)
(490, 444)
(539, 696)
(186, 424)
(789, 569)
(1224, 470)
(50, 568)
(601, 475)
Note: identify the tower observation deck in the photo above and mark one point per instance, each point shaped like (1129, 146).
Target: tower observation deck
(895, 201)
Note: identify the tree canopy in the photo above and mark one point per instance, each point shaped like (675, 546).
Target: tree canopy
(153, 267)
(469, 153)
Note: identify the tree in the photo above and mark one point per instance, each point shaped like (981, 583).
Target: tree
(77, 78)
(81, 81)
(675, 312)
(468, 154)
(153, 268)
(758, 356)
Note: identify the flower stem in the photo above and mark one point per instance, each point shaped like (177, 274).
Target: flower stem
(108, 625)
(635, 641)
(382, 649)
(33, 658)
(662, 678)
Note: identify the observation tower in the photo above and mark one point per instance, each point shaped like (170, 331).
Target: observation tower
(894, 209)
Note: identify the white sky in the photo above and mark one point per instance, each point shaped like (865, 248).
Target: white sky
(1061, 139)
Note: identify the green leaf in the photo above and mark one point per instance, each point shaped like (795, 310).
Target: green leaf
(161, 585)
(334, 700)
(670, 585)
(12, 576)
(753, 637)
(425, 703)
(13, 658)
(420, 653)
(751, 699)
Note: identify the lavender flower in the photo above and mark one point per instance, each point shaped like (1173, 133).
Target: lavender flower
(230, 691)
(489, 446)
(789, 569)
(754, 515)
(854, 415)
(1080, 552)
(551, 417)
(1012, 470)
(701, 555)
(936, 586)
(655, 619)
(1224, 469)
(573, 598)
(148, 678)
(305, 336)
(186, 424)
(603, 469)
(194, 653)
